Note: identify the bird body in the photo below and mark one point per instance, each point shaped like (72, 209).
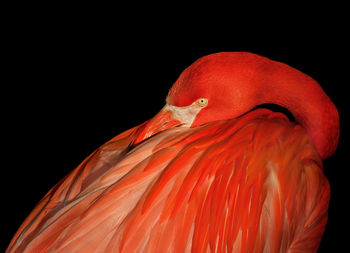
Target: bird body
(251, 182)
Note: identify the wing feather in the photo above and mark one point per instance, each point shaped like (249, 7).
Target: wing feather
(253, 184)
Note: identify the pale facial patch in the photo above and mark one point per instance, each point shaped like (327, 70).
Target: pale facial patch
(185, 114)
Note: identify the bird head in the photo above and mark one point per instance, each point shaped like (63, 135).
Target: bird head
(227, 85)
(215, 87)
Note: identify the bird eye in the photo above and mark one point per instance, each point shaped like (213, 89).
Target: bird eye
(202, 101)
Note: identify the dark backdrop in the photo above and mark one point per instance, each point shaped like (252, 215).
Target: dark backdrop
(74, 85)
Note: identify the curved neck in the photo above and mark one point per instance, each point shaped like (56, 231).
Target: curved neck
(308, 103)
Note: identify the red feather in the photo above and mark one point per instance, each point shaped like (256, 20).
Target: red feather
(220, 187)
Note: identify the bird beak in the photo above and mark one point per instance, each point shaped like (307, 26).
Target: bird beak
(163, 120)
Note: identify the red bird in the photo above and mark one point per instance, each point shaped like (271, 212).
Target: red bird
(209, 173)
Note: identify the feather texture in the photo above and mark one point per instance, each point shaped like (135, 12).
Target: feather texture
(220, 187)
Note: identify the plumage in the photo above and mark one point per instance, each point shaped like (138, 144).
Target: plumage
(252, 183)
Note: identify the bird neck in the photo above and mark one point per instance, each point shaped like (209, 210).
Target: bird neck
(308, 103)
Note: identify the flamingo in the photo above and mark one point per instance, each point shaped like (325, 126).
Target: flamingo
(210, 172)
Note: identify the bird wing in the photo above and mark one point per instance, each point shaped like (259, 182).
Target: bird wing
(252, 184)
(74, 188)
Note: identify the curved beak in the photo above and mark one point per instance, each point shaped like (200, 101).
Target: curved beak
(162, 121)
(170, 116)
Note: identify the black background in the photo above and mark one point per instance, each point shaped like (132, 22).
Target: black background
(75, 81)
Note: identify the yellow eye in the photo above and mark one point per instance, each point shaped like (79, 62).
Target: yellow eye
(202, 101)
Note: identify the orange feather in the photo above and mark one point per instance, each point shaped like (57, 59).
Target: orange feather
(207, 174)
(220, 187)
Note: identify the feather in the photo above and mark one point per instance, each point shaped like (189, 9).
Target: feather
(219, 187)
